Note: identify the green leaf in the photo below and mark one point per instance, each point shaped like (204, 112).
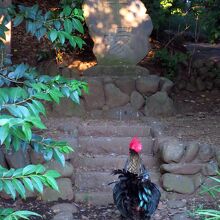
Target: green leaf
(28, 184)
(61, 37)
(57, 25)
(78, 25)
(40, 169)
(36, 121)
(32, 109)
(29, 169)
(18, 20)
(72, 42)
(17, 172)
(37, 183)
(66, 91)
(75, 97)
(43, 96)
(79, 41)
(26, 128)
(4, 131)
(53, 35)
(67, 10)
(14, 111)
(59, 157)
(8, 173)
(16, 143)
(68, 26)
(39, 106)
(52, 173)
(19, 187)
(9, 189)
(25, 213)
(52, 182)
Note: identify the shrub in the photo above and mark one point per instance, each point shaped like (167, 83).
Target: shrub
(213, 191)
(23, 93)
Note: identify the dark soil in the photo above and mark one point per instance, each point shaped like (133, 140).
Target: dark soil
(89, 212)
(198, 118)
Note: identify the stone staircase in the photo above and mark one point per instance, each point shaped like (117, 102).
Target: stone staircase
(103, 147)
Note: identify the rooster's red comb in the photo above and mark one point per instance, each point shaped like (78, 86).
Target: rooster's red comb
(135, 145)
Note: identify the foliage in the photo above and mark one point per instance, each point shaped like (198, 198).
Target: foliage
(213, 191)
(199, 16)
(11, 214)
(169, 61)
(58, 26)
(32, 177)
(23, 94)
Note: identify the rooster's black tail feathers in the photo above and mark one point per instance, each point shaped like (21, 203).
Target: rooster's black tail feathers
(131, 193)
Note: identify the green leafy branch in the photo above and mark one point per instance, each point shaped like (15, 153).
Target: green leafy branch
(11, 214)
(58, 25)
(33, 177)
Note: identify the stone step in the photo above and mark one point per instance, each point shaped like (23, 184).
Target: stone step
(106, 145)
(98, 181)
(94, 198)
(108, 162)
(102, 128)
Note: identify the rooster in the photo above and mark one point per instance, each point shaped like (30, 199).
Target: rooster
(135, 196)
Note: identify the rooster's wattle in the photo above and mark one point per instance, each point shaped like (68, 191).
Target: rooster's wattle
(135, 196)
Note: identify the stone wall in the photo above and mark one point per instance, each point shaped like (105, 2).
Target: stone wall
(204, 75)
(185, 166)
(123, 92)
(100, 146)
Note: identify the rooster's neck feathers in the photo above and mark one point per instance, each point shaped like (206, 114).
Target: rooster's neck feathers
(134, 163)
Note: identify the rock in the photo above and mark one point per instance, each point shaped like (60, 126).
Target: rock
(2, 159)
(114, 71)
(65, 171)
(191, 152)
(159, 142)
(63, 216)
(159, 104)
(95, 99)
(108, 79)
(189, 168)
(198, 180)
(200, 84)
(119, 39)
(64, 207)
(205, 153)
(210, 169)
(178, 183)
(114, 96)
(126, 85)
(148, 85)
(96, 114)
(165, 85)
(209, 85)
(176, 204)
(137, 100)
(190, 87)
(71, 108)
(123, 113)
(36, 158)
(172, 150)
(65, 191)
(180, 216)
(17, 159)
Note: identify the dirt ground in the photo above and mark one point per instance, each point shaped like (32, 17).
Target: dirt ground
(197, 118)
